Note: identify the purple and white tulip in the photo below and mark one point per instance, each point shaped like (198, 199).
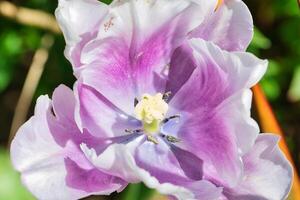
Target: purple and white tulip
(162, 97)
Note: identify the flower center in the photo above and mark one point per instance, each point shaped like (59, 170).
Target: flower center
(151, 110)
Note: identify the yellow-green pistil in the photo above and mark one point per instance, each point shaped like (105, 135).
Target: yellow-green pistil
(151, 110)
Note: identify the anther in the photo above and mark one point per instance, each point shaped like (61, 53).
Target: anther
(166, 96)
(52, 111)
(136, 101)
(133, 131)
(169, 118)
(150, 138)
(170, 138)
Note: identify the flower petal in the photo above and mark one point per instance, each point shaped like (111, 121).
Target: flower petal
(141, 50)
(36, 155)
(108, 70)
(41, 160)
(119, 158)
(236, 111)
(78, 20)
(230, 27)
(268, 174)
(205, 100)
(221, 73)
(99, 116)
(168, 163)
(91, 180)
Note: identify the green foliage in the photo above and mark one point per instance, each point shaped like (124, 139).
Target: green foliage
(294, 91)
(106, 1)
(10, 184)
(137, 192)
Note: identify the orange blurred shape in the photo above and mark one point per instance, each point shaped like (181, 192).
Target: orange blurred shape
(220, 3)
(269, 124)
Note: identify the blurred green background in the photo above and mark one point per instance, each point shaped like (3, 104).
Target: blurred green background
(277, 38)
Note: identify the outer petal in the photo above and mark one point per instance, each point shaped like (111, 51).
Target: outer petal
(78, 20)
(120, 153)
(268, 174)
(230, 27)
(236, 111)
(222, 73)
(43, 163)
(205, 101)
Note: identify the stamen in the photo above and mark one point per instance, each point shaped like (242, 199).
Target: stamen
(136, 101)
(169, 118)
(166, 96)
(52, 111)
(133, 131)
(170, 138)
(150, 138)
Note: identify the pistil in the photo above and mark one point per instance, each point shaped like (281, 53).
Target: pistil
(151, 110)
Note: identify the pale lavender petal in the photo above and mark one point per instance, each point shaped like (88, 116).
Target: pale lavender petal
(181, 68)
(141, 50)
(79, 20)
(230, 27)
(159, 28)
(236, 112)
(41, 160)
(91, 180)
(99, 116)
(206, 134)
(205, 190)
(108, 70)
(268, 174)
(168, 163)
(61, 120)
(205, 100)
(118, 158)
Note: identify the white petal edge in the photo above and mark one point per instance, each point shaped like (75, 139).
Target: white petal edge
(119, 156)
(244, 69)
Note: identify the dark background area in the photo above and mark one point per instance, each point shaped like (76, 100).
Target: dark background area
(277, 38)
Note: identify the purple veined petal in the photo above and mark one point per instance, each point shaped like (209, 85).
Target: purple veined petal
(230, 27)
(205, 133)
(115, 159)
(182, 66)
(236, 111)
(168, 163)
(202, 101)
(79, 20)
(109, 72)
(60, 120)
(90, 180)
(268, 173)
(99, 116)
(217, 76)
(41, 160)
(234, 71)
(160, 27)
(132, 57)
(119, 159)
